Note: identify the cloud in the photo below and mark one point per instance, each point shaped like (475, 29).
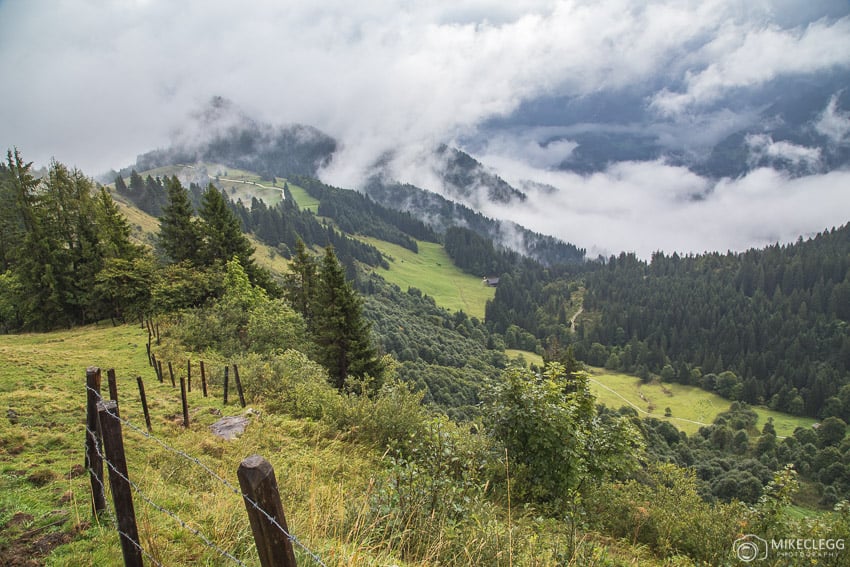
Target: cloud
(764, 150)
(647, 206)
(740, 57)
(834, 123)
(96, 83)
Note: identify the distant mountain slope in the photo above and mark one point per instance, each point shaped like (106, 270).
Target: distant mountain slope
(223, 134)
(442, 214)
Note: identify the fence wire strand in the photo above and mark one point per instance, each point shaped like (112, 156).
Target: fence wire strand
(165, 511)
(112, 517)
(223, 481)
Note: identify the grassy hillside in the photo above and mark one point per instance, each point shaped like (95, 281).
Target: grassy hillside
(328, 483)
(432, 271)
(44, 493)
(690, 407)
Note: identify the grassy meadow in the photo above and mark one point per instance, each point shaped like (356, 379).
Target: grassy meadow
(45, 510)
(433, 272)
(328, 483)
(690, 407)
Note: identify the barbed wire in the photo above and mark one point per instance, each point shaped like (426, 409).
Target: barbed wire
(222, 480)
(112, 517)
(165, 511)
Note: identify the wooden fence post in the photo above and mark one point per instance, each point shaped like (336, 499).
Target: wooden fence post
(226, 379)
(144, 402)
(259, 486)
(203, 379)
(238, 385)
(171, 373)
(94, 459)
(122, 495)
(185, 404)
(189, 375)
(113, 384)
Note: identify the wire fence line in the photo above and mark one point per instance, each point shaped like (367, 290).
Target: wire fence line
(272, 520)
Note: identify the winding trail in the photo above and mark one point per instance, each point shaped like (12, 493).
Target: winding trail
(574, 317)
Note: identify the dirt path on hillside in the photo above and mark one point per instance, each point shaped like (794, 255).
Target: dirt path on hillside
(574, 317)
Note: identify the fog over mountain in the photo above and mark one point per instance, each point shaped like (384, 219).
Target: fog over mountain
(628, 125)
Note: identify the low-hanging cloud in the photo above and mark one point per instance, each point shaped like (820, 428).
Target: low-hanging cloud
(643, 207)
(96, 83)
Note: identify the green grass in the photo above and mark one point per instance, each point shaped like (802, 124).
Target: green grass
(45, 509)
(529, 357)
(433, 272)
(690, 407)
(303, 199)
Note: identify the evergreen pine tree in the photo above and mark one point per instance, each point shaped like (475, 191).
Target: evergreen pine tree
(301, 281)
(339, 329)
(179, 237)
(114, 229)
(222, 233)
(120, 186)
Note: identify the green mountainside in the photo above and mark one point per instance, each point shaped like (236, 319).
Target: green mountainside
(377, 361)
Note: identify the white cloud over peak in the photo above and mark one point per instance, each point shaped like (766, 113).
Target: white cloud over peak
(95, 83)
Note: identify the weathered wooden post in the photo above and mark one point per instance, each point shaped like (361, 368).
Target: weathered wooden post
(238, 385)
(259, 489)
(185, 403)
(94, 459)
(203, 379)
(189, 375)
(144, 402)
(226, 380)
(119, 482)
(113, 384)
(171, 373)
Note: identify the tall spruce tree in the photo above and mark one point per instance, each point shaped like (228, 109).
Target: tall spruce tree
(300, 281)
(179, 237)
(222, 233)
(339, 328)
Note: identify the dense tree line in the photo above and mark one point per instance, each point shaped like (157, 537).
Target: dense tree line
(65, 249)
(356, 213)
(442, 214)
(284, 225)
(766, 326)
(448, 356)
(735, 460)
(280, 226)
(477, 255)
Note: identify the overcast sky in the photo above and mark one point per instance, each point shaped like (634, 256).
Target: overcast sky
(94, 83)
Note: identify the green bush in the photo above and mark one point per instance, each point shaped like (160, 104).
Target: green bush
(290, 383)
(666, 512)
